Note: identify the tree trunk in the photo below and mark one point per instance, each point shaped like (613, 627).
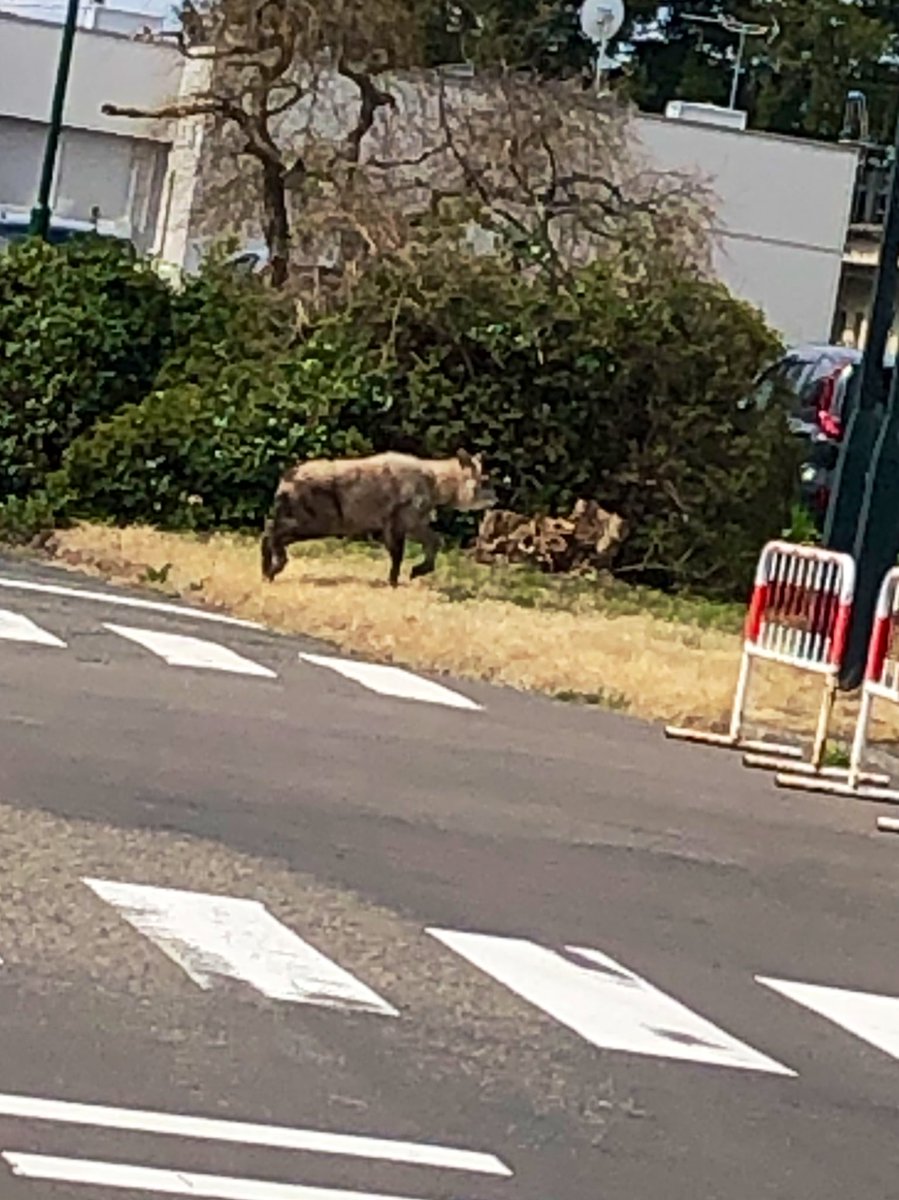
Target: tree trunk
(277, 222)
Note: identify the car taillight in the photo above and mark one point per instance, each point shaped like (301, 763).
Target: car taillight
(829, 423)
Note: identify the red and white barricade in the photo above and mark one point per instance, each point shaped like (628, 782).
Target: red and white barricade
(881, 683)
(799, 616)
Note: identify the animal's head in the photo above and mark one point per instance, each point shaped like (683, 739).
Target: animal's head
(475, 491)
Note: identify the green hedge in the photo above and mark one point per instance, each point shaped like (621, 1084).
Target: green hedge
(84, 328)
(619, 385)
(204, 457)
(624, 389)
(220, 319)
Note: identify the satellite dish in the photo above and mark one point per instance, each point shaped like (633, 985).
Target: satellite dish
(600, 21)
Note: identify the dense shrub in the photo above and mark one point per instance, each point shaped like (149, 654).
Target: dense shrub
(611, 385)
(623, 389)
(221, 318)
(84, 328)
(201, 457)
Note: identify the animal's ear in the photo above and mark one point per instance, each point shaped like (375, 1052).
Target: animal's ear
(464, 457)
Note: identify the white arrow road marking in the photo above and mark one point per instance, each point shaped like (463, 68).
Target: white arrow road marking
(279, 1137)
(871, 1017)
(179, 650)
(171, 1183)
(392, 681)
(213, 937)
(16, 628)
(178, 610)
(604, 1002)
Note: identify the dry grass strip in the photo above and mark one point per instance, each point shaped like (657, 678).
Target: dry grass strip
(650, 666)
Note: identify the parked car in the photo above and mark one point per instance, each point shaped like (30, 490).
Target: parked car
(816, 381)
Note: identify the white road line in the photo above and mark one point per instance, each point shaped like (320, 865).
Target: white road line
(181, 651)
(16, 628)
(54, 589)
(214, 937)
(278, 1137)
(171, 1183)
(867, 1015)
(605, 1002)
(392, 681)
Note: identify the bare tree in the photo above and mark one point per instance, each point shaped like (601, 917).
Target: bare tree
(354, 147)
(553, 174)
(268, 58)
(558, 174)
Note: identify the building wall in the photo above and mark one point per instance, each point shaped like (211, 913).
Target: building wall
(783, 212)
(106, 68)
(115, 164)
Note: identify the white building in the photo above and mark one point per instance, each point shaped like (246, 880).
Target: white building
(113, 164)
(784, 210)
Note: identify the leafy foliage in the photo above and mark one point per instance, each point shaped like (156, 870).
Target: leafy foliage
(83, 329)
(625, 389)
(222, 317)
(208, 455)
(794, 82)
(611, 382)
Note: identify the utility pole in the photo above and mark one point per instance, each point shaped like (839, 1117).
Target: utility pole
(863, 514)
(40, 214)
(738, 64)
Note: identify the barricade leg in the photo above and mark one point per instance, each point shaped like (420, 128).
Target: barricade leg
(733, 739)
(736, 716)
(813, 769)
(824, 714)
(840, 781)
(860, 739)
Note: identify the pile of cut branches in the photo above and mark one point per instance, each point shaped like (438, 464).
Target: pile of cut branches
(588, 539)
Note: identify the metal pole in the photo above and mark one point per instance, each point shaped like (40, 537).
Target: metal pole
(738, 66)
(40, 214)
(863, 516)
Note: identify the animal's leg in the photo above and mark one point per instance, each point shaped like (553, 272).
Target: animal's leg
(395, 541)
(274, 552)
(430, 543)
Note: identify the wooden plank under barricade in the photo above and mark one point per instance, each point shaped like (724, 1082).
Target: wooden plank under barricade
(881, 682)
(798, 616)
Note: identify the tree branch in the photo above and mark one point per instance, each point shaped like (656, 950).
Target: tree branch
(371, 98)
(392, 164)
(197, 107)
(295, 94)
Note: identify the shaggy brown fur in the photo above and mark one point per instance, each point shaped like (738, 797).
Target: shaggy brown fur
(393, 495)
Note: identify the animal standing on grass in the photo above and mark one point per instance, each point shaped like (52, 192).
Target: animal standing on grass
(393, 495)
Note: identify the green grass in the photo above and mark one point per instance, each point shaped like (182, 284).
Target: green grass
(836, 756)
(612, 701)
(459, 578)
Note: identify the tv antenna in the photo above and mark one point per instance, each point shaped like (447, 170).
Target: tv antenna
(743, 30)
(600, 21)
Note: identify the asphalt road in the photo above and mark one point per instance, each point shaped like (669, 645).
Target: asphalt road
(383, 833)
